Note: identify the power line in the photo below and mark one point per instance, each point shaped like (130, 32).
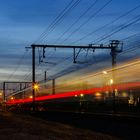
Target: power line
(84, 23)
(51, 27)
(59, 19)
(131, 22)
(17, 67)
(54, 21)
(126, 38)
(104, 26)
(83, 14)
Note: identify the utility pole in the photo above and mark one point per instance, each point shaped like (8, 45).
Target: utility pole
(114, 45)
(53, 86)
(33, 76)
(24, 91)
(4, 99)
(45, 76)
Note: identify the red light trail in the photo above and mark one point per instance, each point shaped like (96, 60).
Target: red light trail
(125, 86)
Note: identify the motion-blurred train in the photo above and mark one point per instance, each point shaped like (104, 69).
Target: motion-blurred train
(101, 92)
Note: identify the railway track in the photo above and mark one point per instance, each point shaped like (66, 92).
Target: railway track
(120, 126)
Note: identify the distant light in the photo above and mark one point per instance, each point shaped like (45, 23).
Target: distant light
(36, 86)
(0, 94)
(111, 81)
(104, 72)
(12, 98)
(124, 94)
(82, 95)
(31, 97)
(116, 92)
(107, 92)
(98, 94)
(75, 95)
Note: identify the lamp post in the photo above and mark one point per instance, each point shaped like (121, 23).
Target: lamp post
(113, 95)
(1, 100)
(35, 88)
(110, 83)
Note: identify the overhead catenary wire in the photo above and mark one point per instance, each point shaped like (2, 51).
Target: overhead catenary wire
(72, 4)
(77, 20)
(17, 67)
(128, 37)
(126, 25)
(70, 57)
(59, 19)
(85, 22)
(75, 5)
(104, 26)
(125, 14)
(106, 57)
(52, 28)
(54, 21)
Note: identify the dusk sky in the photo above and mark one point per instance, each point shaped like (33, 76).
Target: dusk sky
(81, 22)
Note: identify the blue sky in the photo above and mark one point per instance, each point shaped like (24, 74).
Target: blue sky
(23, 21)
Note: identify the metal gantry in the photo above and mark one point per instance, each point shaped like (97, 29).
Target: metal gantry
(115, 46)
(11, 82)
